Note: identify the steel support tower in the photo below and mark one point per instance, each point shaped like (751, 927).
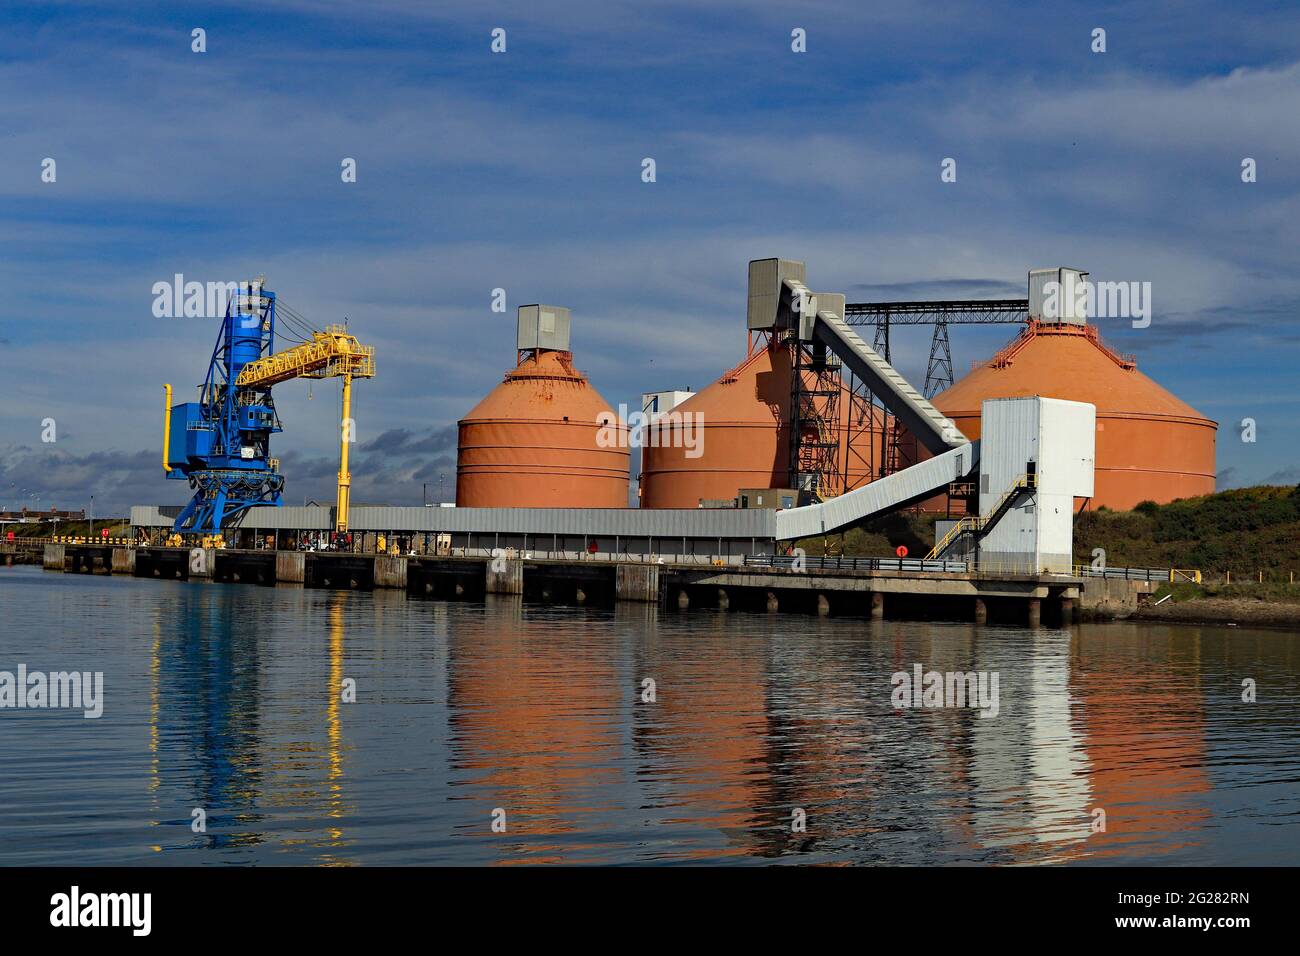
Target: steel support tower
(940, 313)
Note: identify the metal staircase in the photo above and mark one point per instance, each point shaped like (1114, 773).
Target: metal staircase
(979, 525)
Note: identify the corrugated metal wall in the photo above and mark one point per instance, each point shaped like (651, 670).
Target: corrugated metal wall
(631, 522)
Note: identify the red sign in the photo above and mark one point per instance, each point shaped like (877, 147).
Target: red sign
(901, 551)
(104, 533)
(10, 536)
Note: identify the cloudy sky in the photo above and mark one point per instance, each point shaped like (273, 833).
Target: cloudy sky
(522, 171)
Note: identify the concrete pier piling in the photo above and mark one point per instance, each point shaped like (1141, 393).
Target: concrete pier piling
(124, 561)
(636, 582)
(289, 566)
(390, 572)
(505, 576)
(1067, 611)
(583, 582)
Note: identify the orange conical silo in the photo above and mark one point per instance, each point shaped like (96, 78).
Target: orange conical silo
(745, 428)
(1151, 445)
(743, 418)
(544, 437)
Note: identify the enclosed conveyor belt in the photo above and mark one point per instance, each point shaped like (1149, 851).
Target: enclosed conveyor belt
(926, 422)
(890, 493)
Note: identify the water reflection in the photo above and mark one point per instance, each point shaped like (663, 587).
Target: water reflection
(1144, 729)
(755, 721)
(206, 703)
(534, 729)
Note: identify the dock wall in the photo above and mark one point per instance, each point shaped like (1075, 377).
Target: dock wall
(1048, 600)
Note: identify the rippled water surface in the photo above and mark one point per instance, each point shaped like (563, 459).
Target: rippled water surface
(228, 698)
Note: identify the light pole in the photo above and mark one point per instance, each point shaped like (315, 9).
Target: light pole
(91, 533)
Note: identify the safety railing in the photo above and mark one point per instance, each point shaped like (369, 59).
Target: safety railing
(788, 562)
(976, 523)
(114, 540)
(993, 565)
(1139, 574)
(986, 565)
(970, 523)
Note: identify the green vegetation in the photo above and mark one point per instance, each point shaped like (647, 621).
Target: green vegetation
(1272, 592)
(1243, 531)
(117, 527)
(879, 538)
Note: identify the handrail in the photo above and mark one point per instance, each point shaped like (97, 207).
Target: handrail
(116, 540)
(968, 523)
(841, 563)
(976, 523)
(956, 566)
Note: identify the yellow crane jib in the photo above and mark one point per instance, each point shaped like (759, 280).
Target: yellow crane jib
(333, 353)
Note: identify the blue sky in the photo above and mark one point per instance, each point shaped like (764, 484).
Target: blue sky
(522, 171)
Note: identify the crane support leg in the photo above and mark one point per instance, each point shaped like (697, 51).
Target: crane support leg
(167, 426)
(345, 476)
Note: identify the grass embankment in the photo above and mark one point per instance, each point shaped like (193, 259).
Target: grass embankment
(1245, 542)
(117, 528)
(878, 539)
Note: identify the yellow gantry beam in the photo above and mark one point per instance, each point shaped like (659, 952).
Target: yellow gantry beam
(332, 353)
(329, 353)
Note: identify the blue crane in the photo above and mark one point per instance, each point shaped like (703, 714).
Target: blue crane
(221, 443)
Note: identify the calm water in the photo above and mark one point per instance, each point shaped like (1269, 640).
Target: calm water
(227, 697)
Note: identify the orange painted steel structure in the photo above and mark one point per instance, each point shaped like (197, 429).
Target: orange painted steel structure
(1151, 445)
(532, 442)
(746, 436)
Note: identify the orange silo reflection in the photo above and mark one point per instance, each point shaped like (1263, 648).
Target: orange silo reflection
(707, 731)
(532, 714)
(1143, 727)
